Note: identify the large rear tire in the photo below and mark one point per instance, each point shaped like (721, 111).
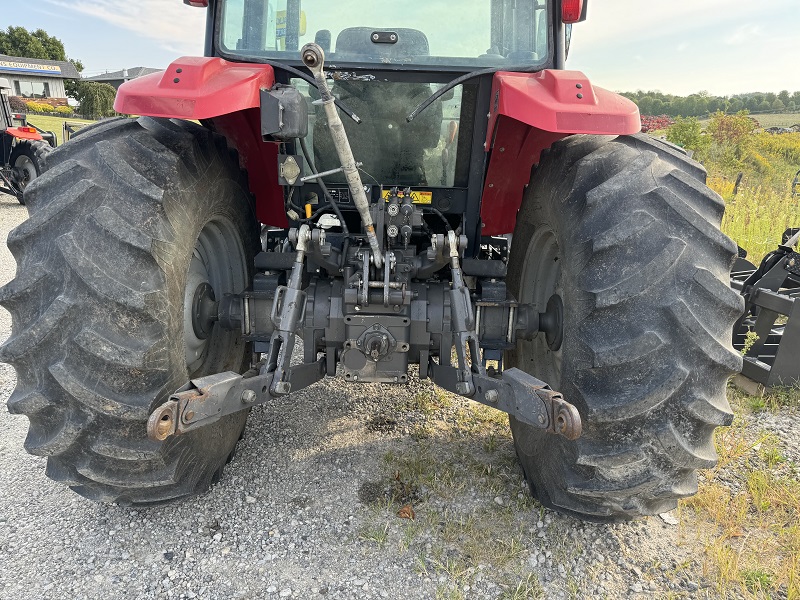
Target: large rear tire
(128, 220)
(27, 161)
(626, 234)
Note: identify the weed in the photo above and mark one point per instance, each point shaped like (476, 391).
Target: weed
(444, 592)
(770, 451)
(750, 338)
(526, 589)
(757, 580)
(376, 534)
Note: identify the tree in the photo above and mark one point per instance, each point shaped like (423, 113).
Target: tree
(784, 96)
(71, 85)
(96, 99)
(18, 41)
(778, 105)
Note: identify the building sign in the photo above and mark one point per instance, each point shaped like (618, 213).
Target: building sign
(6, 65)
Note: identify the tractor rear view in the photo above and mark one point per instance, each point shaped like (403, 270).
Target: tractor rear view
(346, 208)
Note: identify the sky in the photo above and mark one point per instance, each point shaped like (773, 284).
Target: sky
(723, 47)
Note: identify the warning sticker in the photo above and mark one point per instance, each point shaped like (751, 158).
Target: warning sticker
(417, 197)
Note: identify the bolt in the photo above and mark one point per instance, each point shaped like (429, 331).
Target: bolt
(541, 420)
(492, 396)
(189, 416)
(376, 37)
(248, 396)
(502, 149)
(580, 96)
(579, 85)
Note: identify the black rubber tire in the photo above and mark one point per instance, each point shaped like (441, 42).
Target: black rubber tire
(637, 257)
(36, 152)
(97, 305)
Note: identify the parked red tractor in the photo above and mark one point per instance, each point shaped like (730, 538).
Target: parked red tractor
(348, 199)
(22, 148)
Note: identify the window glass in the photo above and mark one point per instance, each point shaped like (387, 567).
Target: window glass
(426, 32)
(393, 151)
(32, 89)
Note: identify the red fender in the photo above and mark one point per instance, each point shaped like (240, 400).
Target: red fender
(195, 89)
(228, 95)
(530, 111)
(24, 133)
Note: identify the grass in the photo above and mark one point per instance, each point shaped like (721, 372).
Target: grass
(743, 524)
(772, 119)
(746, 514)
(54, 124)
(756, 217)
(778, 119)
(453, 542)
(763, 208)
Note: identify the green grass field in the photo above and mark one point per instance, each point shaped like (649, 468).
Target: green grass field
(778, 119)
(54, 124)
(771, 120)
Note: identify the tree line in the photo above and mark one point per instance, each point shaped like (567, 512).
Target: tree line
(702, 103)
(95, 99)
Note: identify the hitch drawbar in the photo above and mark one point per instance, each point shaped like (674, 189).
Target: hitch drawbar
(206, 400)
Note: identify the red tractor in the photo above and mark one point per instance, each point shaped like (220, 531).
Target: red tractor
(22, 148)
(343, 192)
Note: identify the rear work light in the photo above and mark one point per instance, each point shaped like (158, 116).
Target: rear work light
(571, 10)
(197, 3)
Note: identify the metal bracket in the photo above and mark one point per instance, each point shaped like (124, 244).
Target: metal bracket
(522, 396)
(206, 400)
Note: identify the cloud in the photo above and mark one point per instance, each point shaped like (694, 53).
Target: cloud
(745, 34)
(173, 25)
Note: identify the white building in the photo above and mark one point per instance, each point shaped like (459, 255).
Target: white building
(37, 79)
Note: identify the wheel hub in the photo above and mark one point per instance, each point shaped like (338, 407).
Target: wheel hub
(216, 268)
(24, 171)
(204, 310)
(552, 322)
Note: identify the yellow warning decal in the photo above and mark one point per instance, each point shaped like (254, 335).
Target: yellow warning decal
(417, 197)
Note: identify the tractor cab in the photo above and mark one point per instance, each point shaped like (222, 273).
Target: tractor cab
(385, 59)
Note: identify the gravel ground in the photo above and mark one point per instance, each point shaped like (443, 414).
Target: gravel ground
(303, 513)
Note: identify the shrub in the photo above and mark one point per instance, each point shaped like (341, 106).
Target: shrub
(688, 133)
(97, 99)
(17, 104)
(38, 107)
(64, 110)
